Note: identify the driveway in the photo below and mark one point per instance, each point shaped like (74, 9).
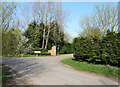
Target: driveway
(49, 71)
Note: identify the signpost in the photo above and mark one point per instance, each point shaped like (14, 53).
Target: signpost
(37, 52)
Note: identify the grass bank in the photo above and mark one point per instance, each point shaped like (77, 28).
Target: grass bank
(95, 68)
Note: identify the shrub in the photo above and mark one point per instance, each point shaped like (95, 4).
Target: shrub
(63, 50)
(30, 52)
(67, 48)
(10, 43)
(40, 49)
(45, 53)
(95, 50)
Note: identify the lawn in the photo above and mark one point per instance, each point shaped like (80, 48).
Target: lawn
(5, 75)
(95, 68)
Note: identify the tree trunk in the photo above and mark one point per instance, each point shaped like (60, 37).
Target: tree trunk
(43, 42)
(47, 39)
(56, 47)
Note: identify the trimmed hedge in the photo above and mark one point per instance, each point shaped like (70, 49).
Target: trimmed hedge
(100, 51)
(40, 49)
(45, 53)
(42, 53)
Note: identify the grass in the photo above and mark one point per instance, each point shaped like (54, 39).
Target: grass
(95, 68)
(4, 77)
(26, 55)
(63, 54)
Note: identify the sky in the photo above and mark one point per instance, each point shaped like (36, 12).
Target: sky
(76, 11)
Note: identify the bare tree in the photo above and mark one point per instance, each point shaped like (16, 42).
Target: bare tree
(27, 15)
(8, 10)
(51, 14)
(47, 13)
(107, 17)
(58, 17)
(38, 13)
(118, 17)
(104, 18)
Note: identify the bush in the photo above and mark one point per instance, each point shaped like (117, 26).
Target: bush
(42, 53)
(103, 51)
(67, 48)
(45, 53)
(30, 52)
(63, 50)
(40, 49)
(10, 43)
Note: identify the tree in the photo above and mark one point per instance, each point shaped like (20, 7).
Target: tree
(26, 15)
(34, 36)
(8, 12)
(58, 35)
(10, 42)
(107, 17)
(118, 17)
(104, 18)
(92, 32)
(110, 46)
(46, 13)
(51, 14)
(10, 35)
(40, 11)
(0, 29)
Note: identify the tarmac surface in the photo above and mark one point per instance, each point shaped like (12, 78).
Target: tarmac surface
(49, 71)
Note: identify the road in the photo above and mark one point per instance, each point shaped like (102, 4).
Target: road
(49, 71)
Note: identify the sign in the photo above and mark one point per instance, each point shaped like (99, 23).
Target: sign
(37, 51)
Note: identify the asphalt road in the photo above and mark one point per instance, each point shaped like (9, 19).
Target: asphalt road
(49, 71)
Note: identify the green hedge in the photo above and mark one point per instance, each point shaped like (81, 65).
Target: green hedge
(95, 50)
(40, 49)
(45, 53)
(42, 53)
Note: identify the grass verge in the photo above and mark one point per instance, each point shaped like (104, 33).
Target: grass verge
(95, 68)
(4, 75)
(27, 55)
